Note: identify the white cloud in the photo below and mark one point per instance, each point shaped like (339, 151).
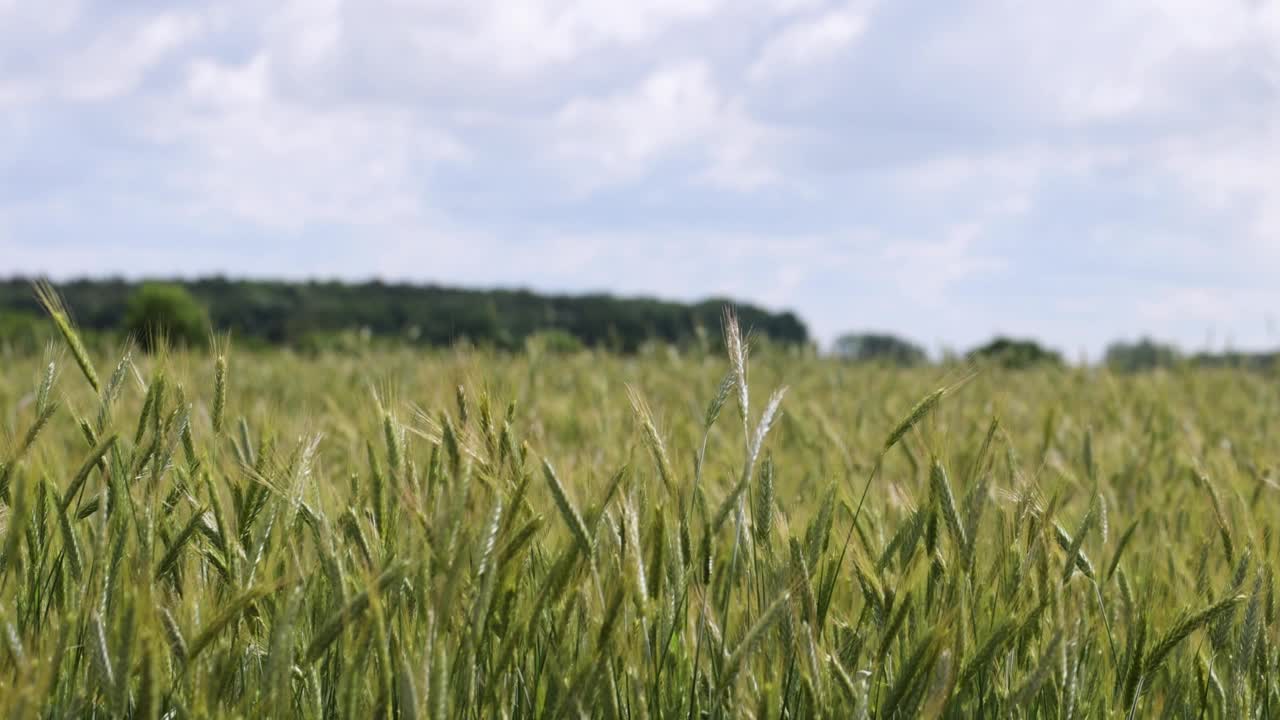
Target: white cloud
(523, 38)
(809, 41)
(791, 7)
(306, 33)
(627, 130)
(81, 59)
(1099, 61)
(1004, 182)
(926, 270)
(265, 159)
(1224, 318)
(1233, 172)
(616, 138)
(217, 85)
(45, 18)
(117, 61)
(739, 155)
(13, 93)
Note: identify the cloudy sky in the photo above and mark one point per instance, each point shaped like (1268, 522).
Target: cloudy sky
(1077, 171)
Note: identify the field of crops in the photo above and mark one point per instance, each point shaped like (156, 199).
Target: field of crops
(671, 534)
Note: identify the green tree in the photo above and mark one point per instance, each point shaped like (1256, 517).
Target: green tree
(1017, 354)
(23, 331)
(553, 342)
(293, 313)
(1145, 354)
(162, 312)
(880, 347)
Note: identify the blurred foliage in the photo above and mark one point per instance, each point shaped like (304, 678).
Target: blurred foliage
(880, 347)
(1264, 361)
(23, 332)
(555, 341)
(1016, 354)
(309, 314)
(165, 313)
(1145, 354)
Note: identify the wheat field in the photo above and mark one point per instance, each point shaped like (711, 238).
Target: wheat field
(752, 532)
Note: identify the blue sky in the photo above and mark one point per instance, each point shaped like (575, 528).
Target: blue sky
(1075, 171)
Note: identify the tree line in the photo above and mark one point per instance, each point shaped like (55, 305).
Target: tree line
(321, 314)
(1017, 353)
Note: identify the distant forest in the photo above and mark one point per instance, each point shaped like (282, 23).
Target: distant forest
(314, 313)
(330, 315)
